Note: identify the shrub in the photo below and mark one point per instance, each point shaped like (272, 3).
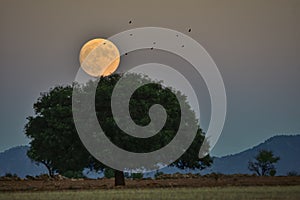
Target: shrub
(10, 175)
(292, 173)
(272, 172)
(109, 173)
(73, 174)
(157, 174)
(137, 176)
(133, 175)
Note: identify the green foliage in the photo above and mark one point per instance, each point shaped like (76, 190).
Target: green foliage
(272, 172)
(54, 141)
(264, 163)
(56, 144)
(10, 175)
(109, 173)
(135, 176)
(73, 174)
(157, 174)
(292, 173)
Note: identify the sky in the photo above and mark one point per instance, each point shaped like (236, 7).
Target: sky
(255, 44)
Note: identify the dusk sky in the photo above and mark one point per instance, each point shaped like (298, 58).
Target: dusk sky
(255, 44)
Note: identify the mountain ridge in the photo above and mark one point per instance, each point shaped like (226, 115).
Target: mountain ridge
(13, 158)
(287, 147)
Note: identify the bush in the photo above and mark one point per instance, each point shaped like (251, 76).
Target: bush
(292, 173)
(157, 174)
(109, 173)
(272, 172)
(133, 175)
(10, 175)
(73, 174)
(137, 176)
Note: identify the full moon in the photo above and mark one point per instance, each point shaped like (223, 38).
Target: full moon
(99, 57)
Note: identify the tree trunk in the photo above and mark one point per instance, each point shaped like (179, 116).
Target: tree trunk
(50, 171)
(119, 178)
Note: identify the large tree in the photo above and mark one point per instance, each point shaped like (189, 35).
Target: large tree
(263, 164)
(56, 144)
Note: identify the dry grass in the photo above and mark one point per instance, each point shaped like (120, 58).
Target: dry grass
(238, 193)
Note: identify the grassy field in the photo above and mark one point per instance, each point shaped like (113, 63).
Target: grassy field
(239, 193)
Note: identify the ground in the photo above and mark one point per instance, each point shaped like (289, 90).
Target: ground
(231, 192)
(213, 180)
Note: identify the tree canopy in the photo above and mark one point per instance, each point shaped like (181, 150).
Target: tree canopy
(56, 144)
(264, 163)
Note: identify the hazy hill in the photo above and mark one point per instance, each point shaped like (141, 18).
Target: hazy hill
(286, 147)
(16, 161)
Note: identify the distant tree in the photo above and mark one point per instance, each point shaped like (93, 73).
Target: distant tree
(292, 173)
(10, 175)
(56, 144)
(263, 165)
